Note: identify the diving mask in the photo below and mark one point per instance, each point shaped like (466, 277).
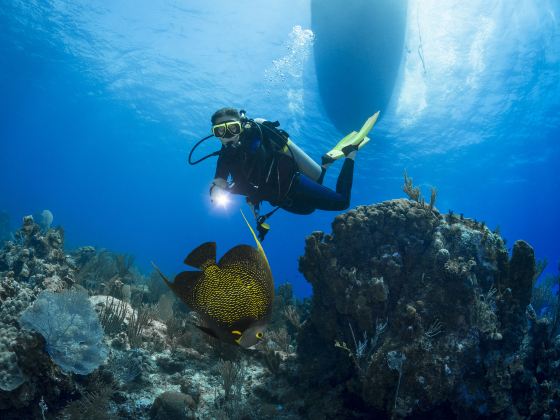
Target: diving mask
(227, 129)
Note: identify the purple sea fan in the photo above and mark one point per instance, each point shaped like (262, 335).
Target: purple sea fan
(71, 329)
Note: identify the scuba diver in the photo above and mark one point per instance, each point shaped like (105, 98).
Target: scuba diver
(259, 161)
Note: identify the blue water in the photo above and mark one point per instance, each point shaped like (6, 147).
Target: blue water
(101, 103)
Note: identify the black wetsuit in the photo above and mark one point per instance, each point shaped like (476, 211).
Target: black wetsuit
(260, 171)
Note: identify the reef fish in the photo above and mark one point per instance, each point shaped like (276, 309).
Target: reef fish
(233, 296)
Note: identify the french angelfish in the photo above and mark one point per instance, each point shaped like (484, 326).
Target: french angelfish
(234, 296)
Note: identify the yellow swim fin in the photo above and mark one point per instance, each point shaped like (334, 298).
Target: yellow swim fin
(366, 128)
(346, 140)
(359, 139)
(365, 141)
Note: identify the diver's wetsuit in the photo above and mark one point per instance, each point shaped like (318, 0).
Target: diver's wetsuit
(260, 171)
(308, 195)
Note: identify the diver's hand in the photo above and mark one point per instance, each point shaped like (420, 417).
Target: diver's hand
(218, 188)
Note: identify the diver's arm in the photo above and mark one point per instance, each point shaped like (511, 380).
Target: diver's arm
(222, 169)
(218, 186)
(219, 183)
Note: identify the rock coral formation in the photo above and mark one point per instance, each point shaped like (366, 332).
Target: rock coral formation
(456, 338)
(414, 314)
(158, 366)
(33, 262)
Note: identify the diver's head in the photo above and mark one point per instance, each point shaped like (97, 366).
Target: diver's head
(227, 126)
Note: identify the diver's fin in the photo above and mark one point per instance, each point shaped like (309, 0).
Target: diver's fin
(202, 256)
(331, 156)
(335, 153)
(354, 147)
(346, 140)
(365, 141)
(366, 128)
(359, 139)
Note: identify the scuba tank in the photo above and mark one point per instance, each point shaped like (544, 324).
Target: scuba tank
(305, 164)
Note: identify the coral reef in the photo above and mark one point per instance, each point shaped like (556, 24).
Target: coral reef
(414, 314)
(147, 362)
(34, 261)
(457, 340)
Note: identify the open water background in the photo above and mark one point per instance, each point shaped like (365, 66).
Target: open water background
(100, 103)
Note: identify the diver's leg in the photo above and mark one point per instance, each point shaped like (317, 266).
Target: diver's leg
(345, 179)
(323, 172)
(310, 194)
(354, 138)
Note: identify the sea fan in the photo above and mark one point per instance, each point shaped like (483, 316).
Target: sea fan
(71, 328)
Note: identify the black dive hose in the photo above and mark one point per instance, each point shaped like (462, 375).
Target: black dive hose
(216, 153)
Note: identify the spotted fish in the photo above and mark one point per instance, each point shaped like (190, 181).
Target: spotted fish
(233, 296)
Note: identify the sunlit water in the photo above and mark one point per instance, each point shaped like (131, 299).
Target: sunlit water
(101, 102)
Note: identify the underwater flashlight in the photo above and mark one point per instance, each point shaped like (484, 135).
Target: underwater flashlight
(222, 199)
